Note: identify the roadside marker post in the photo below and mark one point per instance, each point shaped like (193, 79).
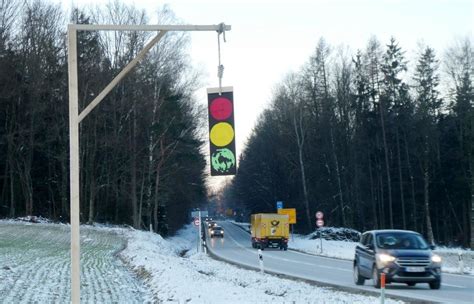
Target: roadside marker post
(461, 262)
(321, 240)
(382, 288)
(200, 233)
(198, 237)
(260, 260)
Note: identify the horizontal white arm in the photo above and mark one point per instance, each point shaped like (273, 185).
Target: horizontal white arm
(146, 27)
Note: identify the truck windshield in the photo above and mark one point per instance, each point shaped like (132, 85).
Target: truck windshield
(400, 240)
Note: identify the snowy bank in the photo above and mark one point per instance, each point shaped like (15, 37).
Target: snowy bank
(175, 272)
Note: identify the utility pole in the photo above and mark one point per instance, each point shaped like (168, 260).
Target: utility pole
(75, 117)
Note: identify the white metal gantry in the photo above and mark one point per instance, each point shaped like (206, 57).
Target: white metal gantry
(75, 117)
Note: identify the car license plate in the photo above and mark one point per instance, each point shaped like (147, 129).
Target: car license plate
(415, 269)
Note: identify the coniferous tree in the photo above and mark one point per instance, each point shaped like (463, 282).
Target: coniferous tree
(428, 104)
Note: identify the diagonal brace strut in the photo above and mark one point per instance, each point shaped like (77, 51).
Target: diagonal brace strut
(120, 76)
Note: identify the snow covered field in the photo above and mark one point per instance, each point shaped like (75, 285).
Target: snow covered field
(34, 268)
(35, 265)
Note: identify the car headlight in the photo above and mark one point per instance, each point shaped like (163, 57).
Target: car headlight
(436, 258)
(385, 258)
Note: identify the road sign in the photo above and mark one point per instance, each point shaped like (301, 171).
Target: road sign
(291, 214)
(319, 215)
(279, 204)
(204, 213)
(197, 222)
(319, 223)
(221, 131)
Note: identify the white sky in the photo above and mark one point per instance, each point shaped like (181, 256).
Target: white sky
(270, 38)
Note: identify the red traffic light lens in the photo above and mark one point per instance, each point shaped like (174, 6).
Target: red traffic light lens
(221, 108)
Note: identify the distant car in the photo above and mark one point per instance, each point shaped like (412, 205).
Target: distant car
(404, 256)
(211, 224)
(217, 231)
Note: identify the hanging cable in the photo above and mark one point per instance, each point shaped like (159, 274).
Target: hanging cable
(220, 67)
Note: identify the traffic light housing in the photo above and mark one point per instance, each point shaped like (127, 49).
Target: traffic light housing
(223, 158)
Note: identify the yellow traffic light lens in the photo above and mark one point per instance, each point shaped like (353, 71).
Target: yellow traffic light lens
(221, 134)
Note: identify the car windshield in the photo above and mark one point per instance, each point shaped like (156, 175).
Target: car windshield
(400, 240)
(217, 228)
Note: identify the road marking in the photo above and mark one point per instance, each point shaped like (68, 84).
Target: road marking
(319, 256)
(450, 285)
(309, 264)
(237, 243)
(467, 276)
(288, 260)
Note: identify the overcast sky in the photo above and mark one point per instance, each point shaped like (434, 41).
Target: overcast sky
(270, 38)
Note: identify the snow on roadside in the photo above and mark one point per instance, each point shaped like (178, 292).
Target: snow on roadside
(334, 249)
(452, 258)
(345, 250)
(176, 276)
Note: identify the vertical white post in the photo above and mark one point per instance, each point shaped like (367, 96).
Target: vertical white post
(260, 260)
(198, 236)
(74, 165)
(461, 262)
(200, 232)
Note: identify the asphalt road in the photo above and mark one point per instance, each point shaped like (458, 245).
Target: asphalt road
(235, 247)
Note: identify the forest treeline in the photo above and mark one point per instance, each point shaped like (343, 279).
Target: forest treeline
(370, 139)
(140, 151)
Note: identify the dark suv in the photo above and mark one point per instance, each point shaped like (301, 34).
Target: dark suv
(404, 256)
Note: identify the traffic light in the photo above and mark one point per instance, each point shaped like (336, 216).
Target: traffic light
(221, 131)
